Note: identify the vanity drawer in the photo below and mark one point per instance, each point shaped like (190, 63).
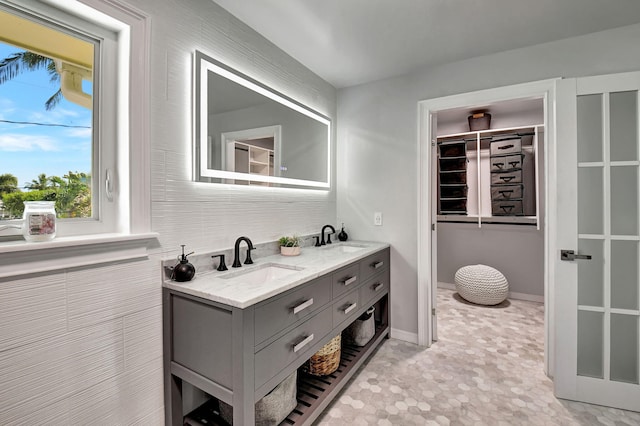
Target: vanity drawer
(373, 289)
(346, 279)
(276, 315)
(346, 307)
(371, 265)
(508, 162)
(293, 346)
(506, 192)
(506, 146)
(507, 208)
(499, 178)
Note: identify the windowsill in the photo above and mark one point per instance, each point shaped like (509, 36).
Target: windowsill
(22, 257)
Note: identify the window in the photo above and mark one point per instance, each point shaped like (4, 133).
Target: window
(120, 221)
(46, 131)
(66, 151)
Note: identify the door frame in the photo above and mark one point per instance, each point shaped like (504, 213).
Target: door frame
(427, 244)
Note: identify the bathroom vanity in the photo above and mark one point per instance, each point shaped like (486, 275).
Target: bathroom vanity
(237, 334)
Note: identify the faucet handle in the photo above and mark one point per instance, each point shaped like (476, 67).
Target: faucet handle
(222, 266)
(317, 237)
(329, 237)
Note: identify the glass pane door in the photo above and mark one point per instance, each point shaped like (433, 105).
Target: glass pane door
(608, 230)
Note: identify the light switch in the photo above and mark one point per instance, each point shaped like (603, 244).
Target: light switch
(377, 218)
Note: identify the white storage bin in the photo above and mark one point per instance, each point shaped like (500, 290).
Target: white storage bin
(274, 407)
(362, 330)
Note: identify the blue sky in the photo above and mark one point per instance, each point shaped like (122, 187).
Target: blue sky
(28, 150)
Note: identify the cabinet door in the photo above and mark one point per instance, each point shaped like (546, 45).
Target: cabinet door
(202, 333)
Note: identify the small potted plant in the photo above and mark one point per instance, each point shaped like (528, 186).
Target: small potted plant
(290, 246)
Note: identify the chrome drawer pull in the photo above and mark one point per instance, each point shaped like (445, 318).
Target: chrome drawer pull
(378, 286)
(303, 306)
(350, 308)
(302, 344)
(377, 265)
(350, 280)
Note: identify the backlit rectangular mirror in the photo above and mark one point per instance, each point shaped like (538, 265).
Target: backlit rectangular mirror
(248, 134)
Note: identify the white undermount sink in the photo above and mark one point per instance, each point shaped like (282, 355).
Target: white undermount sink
(262, 274)
(345, 248)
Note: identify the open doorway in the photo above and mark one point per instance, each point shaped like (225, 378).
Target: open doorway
(464, 216)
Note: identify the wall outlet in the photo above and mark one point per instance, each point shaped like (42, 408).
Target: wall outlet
(377, 218)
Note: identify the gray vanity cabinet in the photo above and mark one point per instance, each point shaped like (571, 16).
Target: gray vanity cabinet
(239, 355)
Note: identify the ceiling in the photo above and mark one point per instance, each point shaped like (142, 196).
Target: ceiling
(350, 42)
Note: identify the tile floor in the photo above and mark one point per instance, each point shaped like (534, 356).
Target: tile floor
(486, 369)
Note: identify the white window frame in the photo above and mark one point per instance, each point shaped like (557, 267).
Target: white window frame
(123, 228)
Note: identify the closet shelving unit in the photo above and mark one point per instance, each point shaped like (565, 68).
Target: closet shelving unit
(484, 190)
(452, 169)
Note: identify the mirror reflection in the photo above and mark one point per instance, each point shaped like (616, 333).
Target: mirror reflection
(248, 134)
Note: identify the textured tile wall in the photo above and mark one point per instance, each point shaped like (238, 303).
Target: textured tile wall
(84, 346)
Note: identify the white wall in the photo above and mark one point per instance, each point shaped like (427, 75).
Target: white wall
(377, 138)
(84, 346)
(516, 251)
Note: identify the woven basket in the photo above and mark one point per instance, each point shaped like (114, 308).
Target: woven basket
(326, 360)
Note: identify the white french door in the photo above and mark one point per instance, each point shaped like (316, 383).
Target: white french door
(596, 253)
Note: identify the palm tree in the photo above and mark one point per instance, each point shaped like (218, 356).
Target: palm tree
(38, 184)
(73, 197)
(8, 184)
(17, 63)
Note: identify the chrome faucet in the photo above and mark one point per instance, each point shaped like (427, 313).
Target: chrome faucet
(333, 231)
(236, 253)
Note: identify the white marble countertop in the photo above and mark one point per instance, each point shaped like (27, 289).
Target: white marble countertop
(230, 288)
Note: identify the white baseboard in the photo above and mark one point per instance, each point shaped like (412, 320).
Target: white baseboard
(527, 297)
(448, 286)
(404, 335)
(512, 295)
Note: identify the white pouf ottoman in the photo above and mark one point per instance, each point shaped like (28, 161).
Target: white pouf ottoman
(481, 284)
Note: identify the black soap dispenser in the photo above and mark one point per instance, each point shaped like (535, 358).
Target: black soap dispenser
(342, 236)
(184, 270)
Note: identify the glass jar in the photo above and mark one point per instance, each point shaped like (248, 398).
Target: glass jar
(39, 220)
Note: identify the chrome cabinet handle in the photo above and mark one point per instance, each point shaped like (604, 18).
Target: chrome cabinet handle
(303, 306)
(377, 265)
(304, 343)
(350, 280)
(378, 286)
(350, 308)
